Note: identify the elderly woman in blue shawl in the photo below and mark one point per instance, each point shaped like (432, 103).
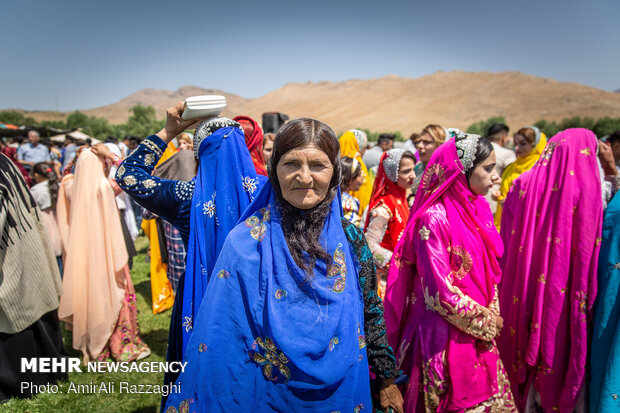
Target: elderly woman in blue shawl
(290, 320)
(204, 210)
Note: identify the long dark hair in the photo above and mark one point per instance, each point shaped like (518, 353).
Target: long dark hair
(302, 228)
(47, 171)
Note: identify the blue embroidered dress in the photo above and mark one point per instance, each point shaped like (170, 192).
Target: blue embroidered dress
(605, 354)
(267, 339)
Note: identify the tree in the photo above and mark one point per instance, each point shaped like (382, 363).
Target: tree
(142, 122)
(99, 127)
(548, 128)
(481, 127)
(13, 117)
(77, 120)
(606, 126)
(57, 124)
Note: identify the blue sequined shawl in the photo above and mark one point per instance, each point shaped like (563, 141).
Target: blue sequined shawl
(225, 185)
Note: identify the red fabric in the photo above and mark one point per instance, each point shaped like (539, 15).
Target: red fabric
(11, 153)
(254, 142)
(394, 197)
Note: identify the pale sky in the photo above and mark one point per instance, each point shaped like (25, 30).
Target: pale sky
(71, 55)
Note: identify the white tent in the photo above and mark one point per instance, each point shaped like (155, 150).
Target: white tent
(76, 134)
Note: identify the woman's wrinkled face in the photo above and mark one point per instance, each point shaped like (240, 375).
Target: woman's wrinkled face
(425, 145)
(406, 173)
(522, 146)
(304, 174)
(483, 177)
(267, 150)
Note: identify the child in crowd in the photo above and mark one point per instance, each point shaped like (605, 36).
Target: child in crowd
(45, 193)
(352, 179)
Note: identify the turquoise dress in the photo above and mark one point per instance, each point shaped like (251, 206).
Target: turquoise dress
(605, 354)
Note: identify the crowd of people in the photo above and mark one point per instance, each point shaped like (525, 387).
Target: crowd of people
(306, 271)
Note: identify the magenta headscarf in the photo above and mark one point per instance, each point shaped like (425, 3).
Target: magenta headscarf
(471, 226)
(551, 226)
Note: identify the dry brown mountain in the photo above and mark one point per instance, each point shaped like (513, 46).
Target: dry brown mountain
(392, 103)
(159, 99)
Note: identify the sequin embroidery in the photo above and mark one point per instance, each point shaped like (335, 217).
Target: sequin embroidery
(149, 183)
(338, 269)
(187, 323)
(280, 294)
(184, 406)
(130, 180)
(433, 177)
(546, 156)
(332, 343)
(208, 208)
(424, 233)
(250, 184)
(149, 158)
(460, 261)
(272, 358)
(184, 190)
(259, 229)
(362, 342)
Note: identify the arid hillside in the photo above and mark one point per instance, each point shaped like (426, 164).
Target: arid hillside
(392, 103)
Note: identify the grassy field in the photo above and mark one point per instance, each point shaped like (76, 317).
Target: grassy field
(154, 331)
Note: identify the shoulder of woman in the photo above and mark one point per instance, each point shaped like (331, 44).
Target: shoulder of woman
(352, 231)
(508, 171)
(381, 210)
(434, 219)
(357, 240)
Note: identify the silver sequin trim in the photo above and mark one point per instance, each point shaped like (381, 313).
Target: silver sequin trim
(149, 158)
(391, 163)
(153, 147)
(130, 180)
(466, 145)
(207, 127)
(184, 190)
(149, 183)
(120, 172)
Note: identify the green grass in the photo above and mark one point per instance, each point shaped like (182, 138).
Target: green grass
(154, 331)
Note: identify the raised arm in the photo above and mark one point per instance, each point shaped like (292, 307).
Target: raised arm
(170, 199)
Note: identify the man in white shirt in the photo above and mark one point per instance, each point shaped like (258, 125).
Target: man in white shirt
(498, 135)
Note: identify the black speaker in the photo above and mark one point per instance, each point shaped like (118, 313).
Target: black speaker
(272, 121)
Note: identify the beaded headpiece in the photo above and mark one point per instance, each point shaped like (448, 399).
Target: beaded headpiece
(360, 136)
(466, 146)
(207, 127)
(391, 163)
